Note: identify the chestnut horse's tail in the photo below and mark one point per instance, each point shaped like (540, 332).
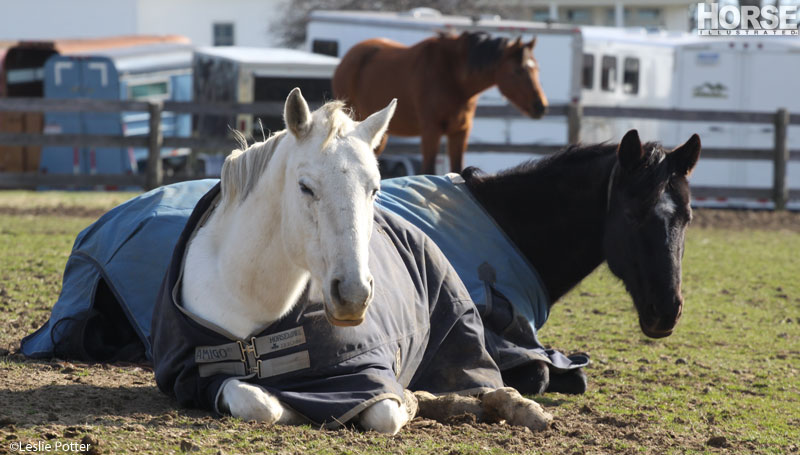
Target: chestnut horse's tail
(347, 74)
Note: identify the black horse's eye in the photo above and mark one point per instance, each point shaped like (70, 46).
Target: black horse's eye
(306, 190)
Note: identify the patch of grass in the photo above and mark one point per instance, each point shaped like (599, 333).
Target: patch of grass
(729, 370)
(53, 199)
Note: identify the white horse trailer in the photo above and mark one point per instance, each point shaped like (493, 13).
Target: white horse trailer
(615, 67)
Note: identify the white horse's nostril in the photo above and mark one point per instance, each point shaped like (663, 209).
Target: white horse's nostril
(336, 297)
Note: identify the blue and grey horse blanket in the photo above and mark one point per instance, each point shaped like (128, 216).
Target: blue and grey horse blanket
(502, 283)
(112, 277)
(421, 332)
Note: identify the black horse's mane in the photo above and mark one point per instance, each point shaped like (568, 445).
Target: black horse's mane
(483, 49)
(647, 183)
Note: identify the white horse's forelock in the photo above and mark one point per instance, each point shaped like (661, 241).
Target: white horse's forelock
(245, 165)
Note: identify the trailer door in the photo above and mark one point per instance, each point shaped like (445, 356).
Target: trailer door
(101, 81)
(710, 79)
(62, 80)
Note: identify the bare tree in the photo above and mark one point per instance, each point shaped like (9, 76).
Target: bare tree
(293, 19)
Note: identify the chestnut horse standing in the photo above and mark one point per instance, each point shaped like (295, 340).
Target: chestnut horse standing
(437, 82)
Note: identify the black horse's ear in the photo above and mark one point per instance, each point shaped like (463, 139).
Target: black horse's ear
(684, 158)
(630, 152)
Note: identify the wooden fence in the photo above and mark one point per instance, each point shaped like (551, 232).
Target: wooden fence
(154, 141)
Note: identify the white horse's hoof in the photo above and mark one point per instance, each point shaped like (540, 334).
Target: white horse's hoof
(386, 416)
(507, 404)
(250, 402)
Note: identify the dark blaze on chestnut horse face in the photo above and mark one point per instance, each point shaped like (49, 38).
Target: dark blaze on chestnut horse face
(518, 79)
(437, 83)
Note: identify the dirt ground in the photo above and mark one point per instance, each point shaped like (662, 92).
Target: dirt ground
(117, 408)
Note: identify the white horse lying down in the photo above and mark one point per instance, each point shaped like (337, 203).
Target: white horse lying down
(234, 331)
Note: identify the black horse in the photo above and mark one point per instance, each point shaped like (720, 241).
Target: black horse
(627, 204)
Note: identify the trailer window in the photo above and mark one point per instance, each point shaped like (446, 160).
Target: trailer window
(588, 71)
(630, 77)
(152, 90)
(325, 47)
(608, 77)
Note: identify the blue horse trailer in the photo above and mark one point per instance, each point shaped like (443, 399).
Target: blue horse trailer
(149, 72)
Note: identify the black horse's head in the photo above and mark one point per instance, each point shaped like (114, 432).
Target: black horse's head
(648, 211)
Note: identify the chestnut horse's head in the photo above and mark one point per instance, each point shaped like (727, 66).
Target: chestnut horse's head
(518, 78)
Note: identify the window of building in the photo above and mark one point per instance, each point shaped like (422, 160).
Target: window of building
(325, 47)
(152, 90)
(611, 17)
(581, 16)
(588, 71)
(630, 76)
(608, 75)
(541, 15)
(223, 34)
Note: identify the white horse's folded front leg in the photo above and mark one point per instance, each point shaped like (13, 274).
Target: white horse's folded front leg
(507, 404)
(252, 402)
(386, 416)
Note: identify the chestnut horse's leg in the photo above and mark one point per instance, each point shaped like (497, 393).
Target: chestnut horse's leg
(430, 148)
(456, 146)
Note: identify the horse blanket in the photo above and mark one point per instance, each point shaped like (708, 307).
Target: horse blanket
(421, 332)
(112, 277)
(511, 298)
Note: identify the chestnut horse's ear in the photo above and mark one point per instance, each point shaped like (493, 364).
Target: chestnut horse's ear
(517, 42)
(372, 128)
(296, 114)
(630, 152)
(684, 157)
(531, 44)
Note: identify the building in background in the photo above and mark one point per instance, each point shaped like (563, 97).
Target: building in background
(204, 22)
(664, 14)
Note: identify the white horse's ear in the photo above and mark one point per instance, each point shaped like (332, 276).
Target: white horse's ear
(296, 114)
(372, 128)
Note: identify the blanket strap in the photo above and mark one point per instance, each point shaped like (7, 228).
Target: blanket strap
(242, 358)
(487, 274)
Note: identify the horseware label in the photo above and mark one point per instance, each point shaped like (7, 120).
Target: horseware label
(210, 354)
(280, 365)
(280, 341)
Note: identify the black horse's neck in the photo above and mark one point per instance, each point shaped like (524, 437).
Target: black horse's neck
(553, 210)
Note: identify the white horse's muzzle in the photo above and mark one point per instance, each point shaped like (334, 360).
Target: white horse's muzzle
(347, 301)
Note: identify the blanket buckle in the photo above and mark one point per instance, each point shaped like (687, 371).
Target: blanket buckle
(250, 355)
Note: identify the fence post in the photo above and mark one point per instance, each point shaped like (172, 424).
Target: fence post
(780, 189)
(155, 173)
(574, 118)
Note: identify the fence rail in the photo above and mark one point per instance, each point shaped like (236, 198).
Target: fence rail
(154, 141)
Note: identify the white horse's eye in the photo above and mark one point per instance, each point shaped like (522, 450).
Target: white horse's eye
(374, 193)
(306, 190)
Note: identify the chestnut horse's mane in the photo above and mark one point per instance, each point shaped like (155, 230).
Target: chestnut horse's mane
(483, 49)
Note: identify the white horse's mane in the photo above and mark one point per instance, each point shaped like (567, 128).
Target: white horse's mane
(244, 165)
